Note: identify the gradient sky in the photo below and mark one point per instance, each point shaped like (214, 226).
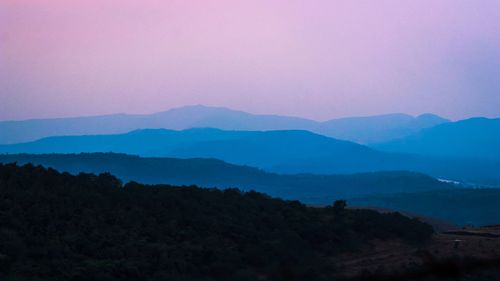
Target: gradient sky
(317, 59)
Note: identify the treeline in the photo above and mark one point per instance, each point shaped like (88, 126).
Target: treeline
(57, 226)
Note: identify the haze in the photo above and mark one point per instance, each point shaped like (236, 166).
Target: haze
(315, 59)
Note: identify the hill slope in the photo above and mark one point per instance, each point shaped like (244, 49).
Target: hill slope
(362, 129)
(460, 206)
(471, 138)
(86, 227)
(313, 189)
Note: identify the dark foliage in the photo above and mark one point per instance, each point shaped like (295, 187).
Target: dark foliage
(56, 226)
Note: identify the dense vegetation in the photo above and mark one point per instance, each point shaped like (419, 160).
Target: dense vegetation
(461, 206)
(63, 227)
(312, 189)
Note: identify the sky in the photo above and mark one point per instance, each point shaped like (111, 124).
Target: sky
(319, 59)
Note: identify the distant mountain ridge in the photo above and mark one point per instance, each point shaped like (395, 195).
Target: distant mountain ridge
(374, 129)
(471, 138)
(358, 129)
(313, 189)
(287, 152)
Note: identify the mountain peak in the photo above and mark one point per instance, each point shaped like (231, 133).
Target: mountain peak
(431, 116)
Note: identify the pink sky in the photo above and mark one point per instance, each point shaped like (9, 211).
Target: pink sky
(317, 59)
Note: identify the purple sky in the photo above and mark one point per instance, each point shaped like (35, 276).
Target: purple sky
(318, 59)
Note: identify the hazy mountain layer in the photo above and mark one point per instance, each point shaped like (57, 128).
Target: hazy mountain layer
(472, 138)
(362, 129)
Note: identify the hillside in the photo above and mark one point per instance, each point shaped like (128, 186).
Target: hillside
(460, 206)
(471, 138)
(87, 227)
(313, 189)
(358, 129)
(287, 152)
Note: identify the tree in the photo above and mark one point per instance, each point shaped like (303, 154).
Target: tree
(339, 206)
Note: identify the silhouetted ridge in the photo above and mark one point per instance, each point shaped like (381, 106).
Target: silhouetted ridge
(317, 189)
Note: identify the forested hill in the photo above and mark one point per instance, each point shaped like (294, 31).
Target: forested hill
(314, 189)
(63, 227)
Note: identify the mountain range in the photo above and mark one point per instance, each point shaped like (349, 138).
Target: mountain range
(286, 152)
(373, 129)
